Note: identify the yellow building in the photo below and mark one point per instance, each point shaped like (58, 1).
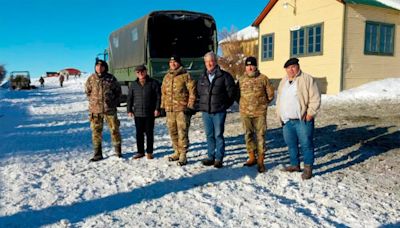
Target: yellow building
(343, 43)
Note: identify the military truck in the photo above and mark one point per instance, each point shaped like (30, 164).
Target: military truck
(152, 39)
(20, 80)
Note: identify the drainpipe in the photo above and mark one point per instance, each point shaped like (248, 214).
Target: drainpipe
(342, 73)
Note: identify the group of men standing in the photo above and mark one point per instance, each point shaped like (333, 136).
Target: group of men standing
(180, 96)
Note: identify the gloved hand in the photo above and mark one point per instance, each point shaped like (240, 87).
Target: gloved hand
(162, 113)
(189, 111)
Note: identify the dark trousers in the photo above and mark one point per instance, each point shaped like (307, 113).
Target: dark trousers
(144, 125)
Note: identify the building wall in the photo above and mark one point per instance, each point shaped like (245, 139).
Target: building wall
(358, 67)
(326, 67)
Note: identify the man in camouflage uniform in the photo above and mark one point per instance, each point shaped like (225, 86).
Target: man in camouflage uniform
(255, 93)
(103, 92)
(178, 95)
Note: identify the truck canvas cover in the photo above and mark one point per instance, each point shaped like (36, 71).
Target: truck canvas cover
(161, 34)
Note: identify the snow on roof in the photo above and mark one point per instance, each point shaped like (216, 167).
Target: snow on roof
(392, 3)
(395, 4)
(247, 33)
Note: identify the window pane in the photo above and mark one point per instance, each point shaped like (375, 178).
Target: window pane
(318, 43)
(318, 30)
(368, 38)
(385, 42)
(267, 46)
(310, 40)
(301, 41)
(374, 38)
(264, 47)
(382, 33)
(389, 39)
(294, 42)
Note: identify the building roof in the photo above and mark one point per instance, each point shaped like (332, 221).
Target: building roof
(72, 71)
(393, 4)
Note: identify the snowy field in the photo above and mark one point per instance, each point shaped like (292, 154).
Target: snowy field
(46, 180)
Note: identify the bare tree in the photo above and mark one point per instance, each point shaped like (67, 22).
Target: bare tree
(234, 49)
(2, 73)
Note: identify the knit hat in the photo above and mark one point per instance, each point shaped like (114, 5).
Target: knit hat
(291, 61)
(176, 58)
(250, 61)
(102, 63)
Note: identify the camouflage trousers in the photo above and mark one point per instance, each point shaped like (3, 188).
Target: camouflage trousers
(254, 133)
(178, 126)
(96, 124)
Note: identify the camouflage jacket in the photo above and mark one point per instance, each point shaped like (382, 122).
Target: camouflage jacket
(103, 93)
(255, 93)
(178, 91)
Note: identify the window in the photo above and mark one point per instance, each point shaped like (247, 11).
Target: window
(379, 38)
(267, 52)
(306, 41)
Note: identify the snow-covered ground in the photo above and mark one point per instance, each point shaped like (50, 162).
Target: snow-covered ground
(46, 180)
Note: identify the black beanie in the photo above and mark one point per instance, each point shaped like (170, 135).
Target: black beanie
(176, 58)
(250, 61)
(102, 63)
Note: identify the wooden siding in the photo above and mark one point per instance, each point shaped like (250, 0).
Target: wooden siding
(325, 67)
(358, 67)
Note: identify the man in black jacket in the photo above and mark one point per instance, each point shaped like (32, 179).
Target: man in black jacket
(216, 91)
(144, 100)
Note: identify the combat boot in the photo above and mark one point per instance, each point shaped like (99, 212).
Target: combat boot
(182, 159)
(307, 172)
(118, 152)
(252, 159)
(97, 154)
(260, 163)
(174, 157)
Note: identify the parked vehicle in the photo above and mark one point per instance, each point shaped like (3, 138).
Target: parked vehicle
(20, 80)
(152, 39)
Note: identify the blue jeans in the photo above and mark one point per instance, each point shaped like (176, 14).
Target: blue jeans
(299, 131)
(214, 127)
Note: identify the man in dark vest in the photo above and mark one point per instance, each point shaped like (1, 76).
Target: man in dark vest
(144, 100)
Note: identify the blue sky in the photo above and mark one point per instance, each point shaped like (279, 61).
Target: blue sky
(49, 35)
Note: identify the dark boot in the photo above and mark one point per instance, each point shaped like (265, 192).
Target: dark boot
(118, 152)
(218, 164)
(150, 156)
(208, 162)
(292, 168)
(252, 159)
(307, 172)
(97, 154)
(138, 155)
(260, 163)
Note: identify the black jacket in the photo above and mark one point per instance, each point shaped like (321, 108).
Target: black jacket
(144, 100)
(218, 95)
